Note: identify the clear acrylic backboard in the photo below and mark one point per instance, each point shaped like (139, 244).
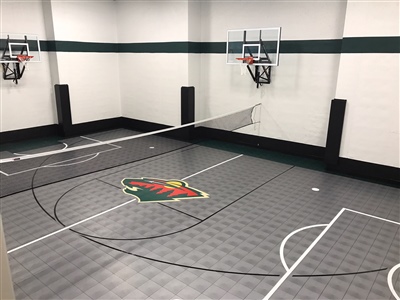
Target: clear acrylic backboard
(260, 43)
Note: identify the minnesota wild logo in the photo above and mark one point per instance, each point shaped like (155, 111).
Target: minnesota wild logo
(160, 190)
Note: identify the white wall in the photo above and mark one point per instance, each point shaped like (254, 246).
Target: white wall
(150, 82)
(22, 104)
(370, 83)
(146, 86)
(93, 78)
(301, 20)
(194, 35)
(296, 103)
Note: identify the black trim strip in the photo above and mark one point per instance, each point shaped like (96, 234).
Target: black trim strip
(365, 170)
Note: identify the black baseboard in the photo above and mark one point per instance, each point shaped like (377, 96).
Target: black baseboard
(140, 125)
(367, 170)
(345, 166)
(184, 134)
(28, 133)
(263, 142)
(54, 130)
(95, 126)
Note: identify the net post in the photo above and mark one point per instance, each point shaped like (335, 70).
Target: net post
(63, 109)
(187, 110)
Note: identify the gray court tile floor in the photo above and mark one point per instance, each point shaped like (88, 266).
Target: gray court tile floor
(262, 233)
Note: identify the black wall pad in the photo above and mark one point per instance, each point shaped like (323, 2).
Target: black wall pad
(335, 129)
(287, 147)
(187, 108)
(387, 174)
(63, 109)
(95, 126)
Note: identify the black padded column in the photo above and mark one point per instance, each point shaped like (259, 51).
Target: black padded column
(63, 109)
(187, 109)
(335, 129)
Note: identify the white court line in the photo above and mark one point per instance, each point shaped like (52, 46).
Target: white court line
(68, 227)
(98, 141)
(294, 266)
(372, 216)
(289, 271)
(22, 154)
(104, 212)
(59, 162)
(1, 172)
(390, 281)
(282, 247)
(391, 272)
(209, 168)
(32, 154)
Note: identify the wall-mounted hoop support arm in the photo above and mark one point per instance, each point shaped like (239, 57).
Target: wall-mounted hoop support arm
(267, 59)
(261, 75)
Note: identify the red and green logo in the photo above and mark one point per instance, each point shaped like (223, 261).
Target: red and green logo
(160, 190)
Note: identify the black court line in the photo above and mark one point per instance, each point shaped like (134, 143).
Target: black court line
(181, 265)
(162, 235)
(32, 186)
(90, 238)
(340, 274)
(179, 211)
(110, 184)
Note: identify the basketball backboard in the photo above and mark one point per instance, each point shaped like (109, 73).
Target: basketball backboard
(260, 43)
(12, 45)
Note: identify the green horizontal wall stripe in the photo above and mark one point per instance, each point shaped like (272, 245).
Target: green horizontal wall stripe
(345, 45)
(371, 45)
(165, 47)
(68, 46)
(317, 46)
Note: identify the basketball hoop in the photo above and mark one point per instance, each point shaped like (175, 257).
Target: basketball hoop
(248, 60)
(24, 58)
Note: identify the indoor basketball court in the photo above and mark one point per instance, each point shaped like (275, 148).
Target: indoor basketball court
(223, 157)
